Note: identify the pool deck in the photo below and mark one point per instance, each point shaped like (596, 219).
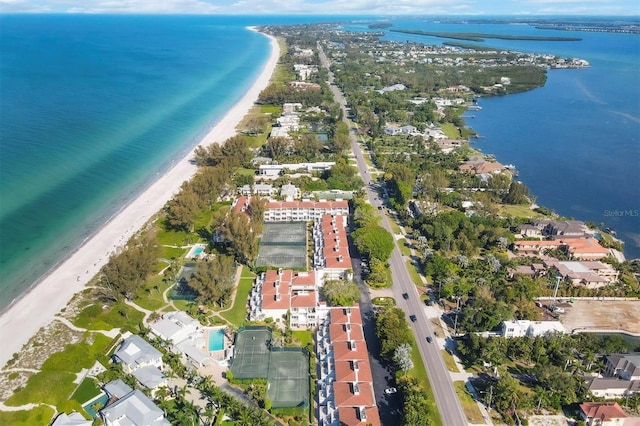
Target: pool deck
(192, 252)
(218, 355)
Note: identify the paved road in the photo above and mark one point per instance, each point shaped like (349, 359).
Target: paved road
(445, 395)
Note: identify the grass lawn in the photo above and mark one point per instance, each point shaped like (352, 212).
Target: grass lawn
(37, 416)
(303, 336)
(172, 252)
(274, 110)
(257, 141)
(238, 313)
(395, 227)
(87, 390)
(245, 172)
(469, 405)
(383, 301)
(169, 237)
(415, 276)
(77, 356)
(450, 130)
(449, 362)
(404, 248)
(118, 315)
(420, 372)
(517, 211)
(181, 305)
(49, 387)
(150, 297)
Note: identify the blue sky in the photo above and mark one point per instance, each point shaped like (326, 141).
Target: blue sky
(331, 7)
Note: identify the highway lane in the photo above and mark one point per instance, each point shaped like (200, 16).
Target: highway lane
(442, 386)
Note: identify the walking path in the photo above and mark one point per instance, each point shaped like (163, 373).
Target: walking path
(109, 333)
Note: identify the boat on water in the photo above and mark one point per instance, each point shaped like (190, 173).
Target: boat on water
(474, 108)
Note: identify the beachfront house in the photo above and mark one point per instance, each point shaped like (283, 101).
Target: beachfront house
(186, 336)
(127, 407)
(141, 360)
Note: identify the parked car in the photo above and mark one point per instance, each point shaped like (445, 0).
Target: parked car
(389, 391)
(429, 339)
(413, 318)
(405, 296)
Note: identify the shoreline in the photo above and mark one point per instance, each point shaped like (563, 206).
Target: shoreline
(39, 305)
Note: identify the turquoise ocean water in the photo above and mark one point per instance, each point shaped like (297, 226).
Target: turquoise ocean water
(93, 108)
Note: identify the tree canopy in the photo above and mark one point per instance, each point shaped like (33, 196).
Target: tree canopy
(340, 292)
(214, 280)
(374, 242)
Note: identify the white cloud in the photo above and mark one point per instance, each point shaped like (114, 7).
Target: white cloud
(327, 7)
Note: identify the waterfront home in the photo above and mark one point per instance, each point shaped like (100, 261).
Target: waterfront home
(585, 248)
(481, 167)
(185, 334)
(448, 145)
(558, 229)
(72, 419)
(134, 352)
(127, 407)
(141, 360)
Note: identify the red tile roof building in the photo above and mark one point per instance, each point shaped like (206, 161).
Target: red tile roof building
(305, 210)
(331, 250)
(277, 291)
(577, 248)
(345, 385)
(602, 413)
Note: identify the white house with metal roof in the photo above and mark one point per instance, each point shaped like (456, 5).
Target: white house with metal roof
(131, 408)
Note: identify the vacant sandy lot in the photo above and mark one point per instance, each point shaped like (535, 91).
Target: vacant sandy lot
(548, 421)
(605, 315)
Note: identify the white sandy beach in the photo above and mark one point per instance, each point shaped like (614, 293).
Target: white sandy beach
(38, 307)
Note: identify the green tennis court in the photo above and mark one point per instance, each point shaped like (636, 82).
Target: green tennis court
(288, 382)
(251, 353)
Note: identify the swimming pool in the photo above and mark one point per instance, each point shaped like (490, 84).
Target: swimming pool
(216, 339)
(198, 251)
(95, 405)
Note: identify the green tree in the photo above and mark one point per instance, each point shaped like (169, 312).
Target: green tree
(340, 292)
(126, 271)
(214, 280)
(392, 330)
(183, 209)
(374, 242)
(415, 408)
